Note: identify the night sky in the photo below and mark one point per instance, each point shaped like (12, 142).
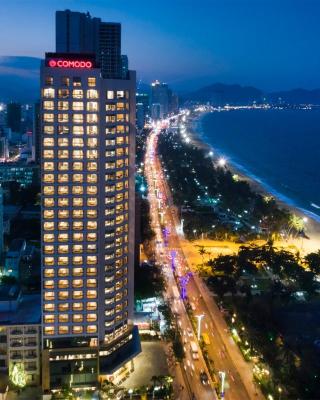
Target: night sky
(271, 44)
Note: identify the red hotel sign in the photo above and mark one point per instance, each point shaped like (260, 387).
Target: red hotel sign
(58, 63)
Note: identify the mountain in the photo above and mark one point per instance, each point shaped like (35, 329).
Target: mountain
(220, 94)
(295, 96)
(19, 78)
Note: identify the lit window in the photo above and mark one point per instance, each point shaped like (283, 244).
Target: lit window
(63, 295)
(77, 271)
(77, 166)
(91, 317)
(63, 272)
(92, 118)
(48, 237)
(77, 105)
(63, 248)
(77, 154)
(91, 271)
(63, 317)
(77, 283)
(63, 201)
(63, 105)
(48, 178)
(92, 178)
(63, 213)
(110, 107)
(77, 142)
(76, 81)
(110, 131)
(78, 225)
(77, 248)
(48, 117)
(91, 237)
(120, 94)
(91, 294)
(49, 272)
(92, 94)
(91, 81)
(77, 118)
(48, 129)
(65, 81)
(49, 80)
(91, 213)
(92, 225)
(63, 142)
(77, 201)
(48, 105)
(91, 248)
(63, 284)
(92, 190)
(78, 237)
(63, 260)
(92, 106)
(63, 93)
(92, 201)
(48, 93)
(77, 306)
(49, 296)
(92, 154)
(77, 213)
(63, 166)
(92, 130)
(77, 190)
(92, 260)
(110, 94)
(77, 93)
(77, 318)
(92, 142)
(92, 166)
(77, 294)
(77, 130)
(63, 307)
(48, 226)
(91, 328)
(110, 118)
(63, 190)
(48, 166)
(77, 329)
(63, 153)
(48, 214)
(63, 129)
(49, 284)
(49, 330)
(49, 307)
(63, 225)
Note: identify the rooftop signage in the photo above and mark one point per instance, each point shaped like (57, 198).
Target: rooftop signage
(63, 63)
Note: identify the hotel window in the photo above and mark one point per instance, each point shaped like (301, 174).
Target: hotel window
(77, 283)
(49, 272)
(77, 201)
(92, 178)
(91, 271)
(63, 213)
(48, 166)
(63, 190)
(77, 142)
(63, 237)
(92, 166)
(63, 318)
(92, 106)
(48, 105)
(77, 329)
(77, 225)
(77, 190)
(49, 284)
(91, 237)
(49, 80)
(77, 154)
(77, 118)
(63, 260)
(110, 118)
(49, 296)
(77, 166)
(91, 305)
(63, 93)
(48, 129)
(92, 81)
(49, 330)
(77, 178)
(92, 201)
(48, 93)
(110, 94)
(77, 271)
(48, 237)
(63, 248)
(91, 328)
(63, 153)
(48, 226)
(77, 248)
(77, 213)
(92, 154)
(92, 260)
(91, 224)
(91, 317)
(77, 294)
(77, 318)
(77, 306)
(110, 107)
(63, 201)
(63, 178)
(48, 214)
(49, 307)
(65, 81)
(77, 130)
(63, 284)
(110, 131)
(63, 295)
(63, 129)
(92, 283)
(91, 248)
(77, 93)
(63, 117)
(63, 166)
(92, 214)
(92, 142)
(63, 306)
(120, 94)
(48, 117)
(48, 178)
(63, 142)
(77, 105)
(92, 190)
(63, 105)
(92, 118)
(63, 272)
(76, 81)
(92, 94)
(120, 140)
(92, 130)
(63, 225)
(122, 106)
(78, 237)
(91, 294)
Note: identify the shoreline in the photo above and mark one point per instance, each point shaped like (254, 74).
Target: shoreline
(312, 227)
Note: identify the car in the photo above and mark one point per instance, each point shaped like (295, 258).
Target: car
(204, 378)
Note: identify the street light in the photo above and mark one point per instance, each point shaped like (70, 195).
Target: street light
(222, 376)
(154, 390)
(199, 317)
(130, 391)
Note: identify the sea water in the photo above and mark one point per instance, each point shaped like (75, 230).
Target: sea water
(278, 148)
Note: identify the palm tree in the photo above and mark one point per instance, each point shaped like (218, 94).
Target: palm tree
(202, 251)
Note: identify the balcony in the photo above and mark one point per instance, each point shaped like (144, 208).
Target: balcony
(30, 356)
(16, 344)
(16, 356)
(16, 332)
(30, 344)
(31, 331)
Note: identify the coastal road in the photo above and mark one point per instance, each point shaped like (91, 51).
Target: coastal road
(222, 349)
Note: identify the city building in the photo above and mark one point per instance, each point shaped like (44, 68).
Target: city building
(22, 173)
(1, 221)
(20, 334)
(143, 108)
(159, 99)
(13, 258)
(36, 136)
(88, 212)
(124, 66)
(14, 117)
(80, 33)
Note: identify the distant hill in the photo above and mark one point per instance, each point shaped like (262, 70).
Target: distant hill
(221, 94)
(19, 78)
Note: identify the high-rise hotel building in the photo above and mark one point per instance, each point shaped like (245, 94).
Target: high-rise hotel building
(88, 162)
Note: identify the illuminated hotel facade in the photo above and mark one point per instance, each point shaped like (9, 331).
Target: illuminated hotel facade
(88, 163)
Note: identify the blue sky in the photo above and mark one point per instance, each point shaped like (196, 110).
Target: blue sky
(271, 44)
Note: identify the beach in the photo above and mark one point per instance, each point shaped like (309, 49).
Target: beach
(311, 243)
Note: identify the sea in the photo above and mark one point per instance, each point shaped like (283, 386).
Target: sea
(279, 148)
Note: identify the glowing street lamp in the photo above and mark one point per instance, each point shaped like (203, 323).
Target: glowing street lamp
(222, 162)
(222, 376)
(199, 317)
(130, 391)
